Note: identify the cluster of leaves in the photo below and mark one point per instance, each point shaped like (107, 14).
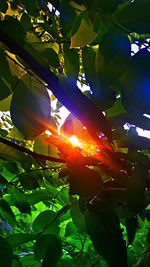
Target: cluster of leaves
(60, 205)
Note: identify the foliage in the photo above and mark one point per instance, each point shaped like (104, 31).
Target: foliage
(63, 204)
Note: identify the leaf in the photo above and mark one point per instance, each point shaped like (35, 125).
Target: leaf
(31, 180)
(12, 167)
(88, 60)
(11, 25)
(7, 213)
(11, 154)
(44, 148)
(45, 53)
(135, 17)
(135, 193)
(6, 253)
(71, 61)
(112, 57)
(30, 106)
(16, 263)
(85, 33)
(7, 80)
(77, 216)
(16, 240)
(70, 229)
(104, 230)
(37, 196)
(20, 201)
(46, 222)
(3, 6)
(135, 84)
(131, 227)
(5, 103)
(67, 17)
(48, 248)
(26, 22)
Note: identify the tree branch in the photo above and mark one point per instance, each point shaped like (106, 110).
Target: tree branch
(29, 152)
(70, 96)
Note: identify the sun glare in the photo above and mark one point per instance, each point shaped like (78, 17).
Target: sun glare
(74, 141)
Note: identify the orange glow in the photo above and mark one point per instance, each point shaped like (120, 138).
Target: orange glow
(74, 141)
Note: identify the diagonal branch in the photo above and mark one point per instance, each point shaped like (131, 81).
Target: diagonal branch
(70, 96)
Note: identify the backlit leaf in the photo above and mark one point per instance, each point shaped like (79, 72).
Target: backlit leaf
(30, 106)
(7, 213)
(85, 33)
(71, 62)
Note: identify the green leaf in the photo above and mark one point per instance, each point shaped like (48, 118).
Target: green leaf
(7, 80)
(135, 193)
(12, 167)
(136, 82)
(48, 248)
(16, 263)
(77, 216)
(3, 180)
(3, 6)
(112, 57)
(20, 201)
(7, 213)
(71, 61)
(6, 253)
(135, 17)
(5, 103)
(88, 60)
(46, 222)
(131, 227)
(11, 154)
(67, 17)
(104, 230)
(16, 240)
(26, 22)
(85, 33)
(30, 106)
(70, 229)
(105, 5)
(31, 180)
(37, 196)
(11, 25)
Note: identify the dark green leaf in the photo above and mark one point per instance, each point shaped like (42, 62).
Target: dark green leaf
(135, 193)
(53, 250)
(37, 196)
(12, 167)
(88, 59)
(3, 180)
(112, 57)
(16, 240)
(6, 253)
(31, 180)
(30, 107)
(7, 80)
(136, 82)
(48, 248)
(20, 201)
(7, 213)
(105, 233)
(77, 216)
(67, 17)
(26, 22)
(46, 222)
(12, 25)
(3, 6)
(135, 17)
(70, 229)
(71, 62)
(131, 226)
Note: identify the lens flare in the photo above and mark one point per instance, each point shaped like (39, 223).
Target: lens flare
(74, 141)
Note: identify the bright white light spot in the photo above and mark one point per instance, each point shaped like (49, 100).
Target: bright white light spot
(74, 141)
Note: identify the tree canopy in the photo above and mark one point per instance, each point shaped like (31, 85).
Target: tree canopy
(76, 194)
